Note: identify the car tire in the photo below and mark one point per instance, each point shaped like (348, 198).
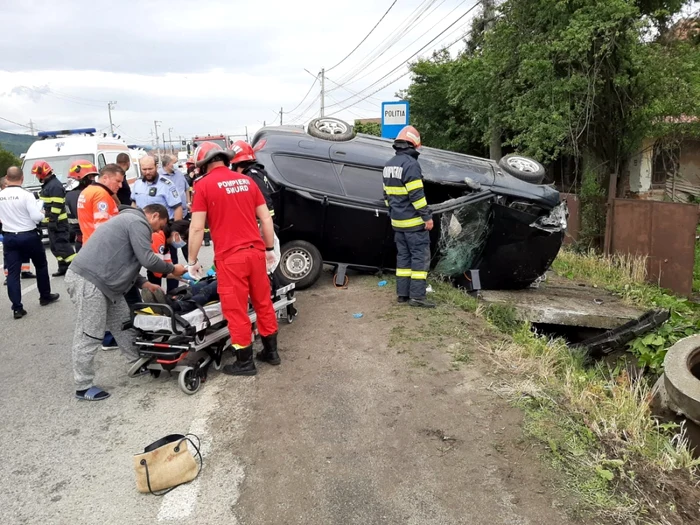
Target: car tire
(523, 168)
(329, 128)
(300, 263)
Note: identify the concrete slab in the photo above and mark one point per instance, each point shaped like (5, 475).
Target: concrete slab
(560, 301)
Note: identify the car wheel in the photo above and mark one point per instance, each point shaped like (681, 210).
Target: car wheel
(329, 128)
(300, 263)
(523, 168)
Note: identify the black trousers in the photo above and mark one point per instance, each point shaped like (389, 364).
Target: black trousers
(59, 242)
(18, 247)
(412, 263)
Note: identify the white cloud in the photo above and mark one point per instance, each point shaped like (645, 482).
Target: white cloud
(207, 66)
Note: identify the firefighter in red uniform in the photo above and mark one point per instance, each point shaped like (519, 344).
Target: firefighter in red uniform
(232, 204)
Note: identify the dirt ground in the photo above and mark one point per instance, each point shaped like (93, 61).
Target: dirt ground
(382, 419)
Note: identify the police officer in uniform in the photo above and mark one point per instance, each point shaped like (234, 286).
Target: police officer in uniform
(153, 189)
(56, 219)
(411, 218)
(19, 213)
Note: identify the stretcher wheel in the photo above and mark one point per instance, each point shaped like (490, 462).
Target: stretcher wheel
(199, 338)
(189, 381)
(137, 366)
(219, 366)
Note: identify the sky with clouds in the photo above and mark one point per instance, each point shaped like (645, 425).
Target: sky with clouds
(210, 66)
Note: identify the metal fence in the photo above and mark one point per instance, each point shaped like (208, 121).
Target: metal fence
(664, 232)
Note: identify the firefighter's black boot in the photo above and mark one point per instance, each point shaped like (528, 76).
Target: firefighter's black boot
(62, 269)
(244, 364)
(269, 353)
(421, 303)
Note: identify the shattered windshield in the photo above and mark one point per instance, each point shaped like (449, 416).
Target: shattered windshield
(60, 165)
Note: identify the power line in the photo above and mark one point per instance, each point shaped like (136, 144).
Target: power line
(15, 123)
(404, 27)
(413, 55)
(365, 38)
(303, 99)
(364, 75)
(348, 90)
(390, 83)
(373, 92)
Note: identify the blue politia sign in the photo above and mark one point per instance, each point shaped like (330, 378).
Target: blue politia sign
(395, 117)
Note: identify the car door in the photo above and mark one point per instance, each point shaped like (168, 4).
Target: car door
(357, 223)
(303, 200)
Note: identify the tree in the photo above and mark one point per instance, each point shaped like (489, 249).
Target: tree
(370, 128)
(582, 78)
(7, 159)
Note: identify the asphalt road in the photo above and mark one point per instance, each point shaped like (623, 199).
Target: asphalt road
(347, 430)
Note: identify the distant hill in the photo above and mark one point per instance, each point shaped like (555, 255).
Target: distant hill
(16, 143)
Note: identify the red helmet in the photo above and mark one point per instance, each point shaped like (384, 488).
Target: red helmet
(242, 152)
(409, 134)
(81, 169)
(206, 152)
(41, 169)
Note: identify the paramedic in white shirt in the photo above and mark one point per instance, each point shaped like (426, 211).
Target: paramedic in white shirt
(20, 213)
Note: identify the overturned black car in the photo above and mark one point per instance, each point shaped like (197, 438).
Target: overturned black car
(329, 208)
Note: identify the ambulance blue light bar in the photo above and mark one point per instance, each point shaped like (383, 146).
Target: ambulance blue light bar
(54, 134)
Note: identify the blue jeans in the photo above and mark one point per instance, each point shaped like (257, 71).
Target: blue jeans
(20, 247)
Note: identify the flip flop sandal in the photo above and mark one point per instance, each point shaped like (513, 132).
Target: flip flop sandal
(94, 393)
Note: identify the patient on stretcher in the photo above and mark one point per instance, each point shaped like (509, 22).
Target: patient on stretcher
(191, 297)
(186, 298)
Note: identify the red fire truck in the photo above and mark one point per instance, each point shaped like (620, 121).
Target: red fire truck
(221, 140)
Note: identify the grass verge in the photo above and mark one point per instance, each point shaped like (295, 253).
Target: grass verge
(625, 276)
(595, 423)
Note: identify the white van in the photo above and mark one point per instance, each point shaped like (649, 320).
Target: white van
(61, 148)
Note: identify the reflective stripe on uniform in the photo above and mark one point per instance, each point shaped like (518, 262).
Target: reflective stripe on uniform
(72, 221)
(420, 203)
(395, 190)
(56, 210)
(386, 202)
(407, 223)
(56, 200)
(272, 213)
(414, 185)
(63, 217)
(403, 272)
(419, 275)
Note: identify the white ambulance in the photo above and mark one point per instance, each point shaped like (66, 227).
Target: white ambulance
(61, 148)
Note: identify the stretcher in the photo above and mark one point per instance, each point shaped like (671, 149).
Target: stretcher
(188, 344)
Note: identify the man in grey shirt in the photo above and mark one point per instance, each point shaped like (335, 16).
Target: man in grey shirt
(99, 276)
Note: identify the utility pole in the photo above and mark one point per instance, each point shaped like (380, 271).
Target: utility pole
(281, 113)
(155, 124)
(170, 137)
(246, 135)
(323, 90)
(164, 146)
(110, 106)
(31, 126)
(495, 152)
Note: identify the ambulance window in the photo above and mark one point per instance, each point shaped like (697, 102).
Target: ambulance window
(362, 183)
(101, 161)
(315, 175)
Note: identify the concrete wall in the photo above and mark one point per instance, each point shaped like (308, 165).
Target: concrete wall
(689, 162)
